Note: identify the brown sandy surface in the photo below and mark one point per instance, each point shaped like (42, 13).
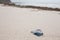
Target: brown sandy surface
(17, 23)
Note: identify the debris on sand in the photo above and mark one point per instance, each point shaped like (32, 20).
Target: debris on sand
(37, 32)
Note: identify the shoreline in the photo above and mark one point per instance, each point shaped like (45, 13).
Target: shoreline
(33, 7)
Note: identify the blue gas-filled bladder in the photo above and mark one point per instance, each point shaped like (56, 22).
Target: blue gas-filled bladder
(37, 32)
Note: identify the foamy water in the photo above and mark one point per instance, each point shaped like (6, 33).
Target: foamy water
(45, 3)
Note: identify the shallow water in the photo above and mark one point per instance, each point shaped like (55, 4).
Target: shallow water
(48, 3)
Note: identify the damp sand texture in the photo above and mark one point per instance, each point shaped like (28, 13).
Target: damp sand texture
(17, 23)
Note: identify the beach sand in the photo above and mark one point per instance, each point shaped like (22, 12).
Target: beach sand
(17, 23)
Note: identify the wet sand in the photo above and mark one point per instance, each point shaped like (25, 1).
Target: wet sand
(17, 23)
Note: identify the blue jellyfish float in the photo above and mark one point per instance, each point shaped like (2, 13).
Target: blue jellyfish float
(37, 32)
